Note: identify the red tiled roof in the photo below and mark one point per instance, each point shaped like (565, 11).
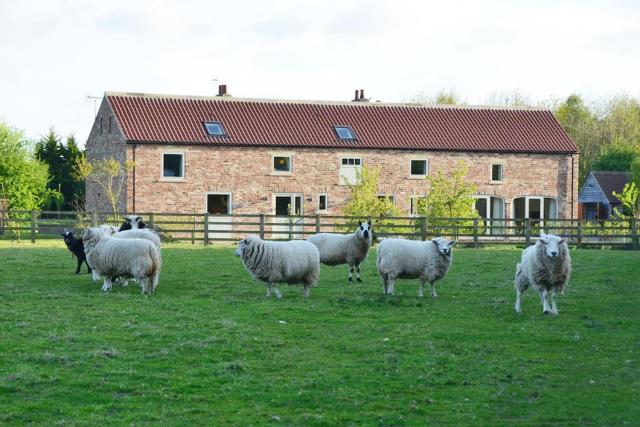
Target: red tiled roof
(250, 122)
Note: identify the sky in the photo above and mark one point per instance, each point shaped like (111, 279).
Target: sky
(56, 54)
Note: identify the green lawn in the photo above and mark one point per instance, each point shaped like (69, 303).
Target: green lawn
(209, 348)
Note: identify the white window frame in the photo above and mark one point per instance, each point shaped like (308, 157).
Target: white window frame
(411, 202)
(292, 196)
(353, 167)
(182, 167)
(218, 193)
(412, 176)
(326, 203)
(273, 169)
(501, 180)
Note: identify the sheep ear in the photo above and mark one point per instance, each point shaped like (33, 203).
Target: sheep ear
(563, 240)
(138, 218)
(452, 242)
(359, 223)
(369, 222)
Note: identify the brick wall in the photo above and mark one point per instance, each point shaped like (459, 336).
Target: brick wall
(105, 142)
(247, 174)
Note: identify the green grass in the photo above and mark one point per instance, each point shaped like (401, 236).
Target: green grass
(209, 348)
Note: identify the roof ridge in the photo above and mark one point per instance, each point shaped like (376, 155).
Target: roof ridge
(322, 102)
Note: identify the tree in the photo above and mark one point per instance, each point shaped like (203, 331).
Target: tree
(510, 99)
(442, 97)
(23, 179)
(630, 201)
(365, 201)
(635, 171)
(450, 196)
(108, 174)
(61, 159)
(583, 127)
(615, 158)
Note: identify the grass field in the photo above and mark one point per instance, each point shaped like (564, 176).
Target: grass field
(209, 348)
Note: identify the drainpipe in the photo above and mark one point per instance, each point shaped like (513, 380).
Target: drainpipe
(134, 178)
(572, 201)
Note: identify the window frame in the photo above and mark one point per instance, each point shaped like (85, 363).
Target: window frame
(273, 166)
(354, 166)
(501, 180)
(353, 135)
(182, 166)
(411, 201)
(326, 203)
(392, 196)
(212, 122)
(416, 159)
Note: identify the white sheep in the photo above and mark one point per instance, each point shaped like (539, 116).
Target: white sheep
(112, 257)
(141, 233)
(410, 259)
(351, 249)
(546, 267)
(290, 262)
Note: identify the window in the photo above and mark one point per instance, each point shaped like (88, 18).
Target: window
(350, 168)
(389, 197)
(214, 128)
(282, 164)
(419, 167)
(491, 209)
(344, 132)
(172, 165)
(322, 203)
(414, 204)
(496, 172)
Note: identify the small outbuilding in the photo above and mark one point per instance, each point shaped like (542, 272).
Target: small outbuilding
(596, 199)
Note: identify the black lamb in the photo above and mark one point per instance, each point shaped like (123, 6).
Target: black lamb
(77, 248)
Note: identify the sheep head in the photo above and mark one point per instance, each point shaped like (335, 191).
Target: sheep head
(552, 244)
(364, 230)
(444, 246)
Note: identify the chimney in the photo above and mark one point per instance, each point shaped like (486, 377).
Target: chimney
(222, 90)
(359, 96)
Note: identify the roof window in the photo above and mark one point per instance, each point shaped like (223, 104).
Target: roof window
(214, 128)
(344, 132)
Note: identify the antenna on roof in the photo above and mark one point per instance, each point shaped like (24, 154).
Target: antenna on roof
(95, 103)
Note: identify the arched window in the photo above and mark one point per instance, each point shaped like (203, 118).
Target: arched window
(492, 210)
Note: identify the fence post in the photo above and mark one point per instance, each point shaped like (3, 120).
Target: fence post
(152, 221)
(475, 233)
(634, 233)
(33, 226)
(579, 243)
(206, 228)
(423, 229)
(527, 231)
(262, 226)
(317, 223)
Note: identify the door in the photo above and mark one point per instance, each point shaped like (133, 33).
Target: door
(287, 208)
(219, 208)
(535, 211)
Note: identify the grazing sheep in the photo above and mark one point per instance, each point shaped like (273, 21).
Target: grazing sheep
(280, 262)
(409, 259)
(132, 258)
(76, 247)
(132, 222)
(546, 267)
(350, 249)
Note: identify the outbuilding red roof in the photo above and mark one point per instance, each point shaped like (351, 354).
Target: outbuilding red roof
(170, 119)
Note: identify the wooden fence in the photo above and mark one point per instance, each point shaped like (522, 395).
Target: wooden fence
(209, 228)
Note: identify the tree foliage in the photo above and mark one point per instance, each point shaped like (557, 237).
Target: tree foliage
(365, 201)
(615, 158)
(630, 201)
(23, 179)
(61, 159)
(108, 174)
(450, 195)
(442, 97)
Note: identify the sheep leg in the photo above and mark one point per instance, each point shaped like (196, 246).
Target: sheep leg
(268, 290)
(107, 283)
(391, 285)
(554, 307)
(385, 285)
(358, 273)
(80, 261)
(306, 291)
(433, 290)
(545, 304)
(350, 273)
(518, 300)
(277, 291)
(421, 289)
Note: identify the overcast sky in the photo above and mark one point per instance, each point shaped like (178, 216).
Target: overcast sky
(53, 54)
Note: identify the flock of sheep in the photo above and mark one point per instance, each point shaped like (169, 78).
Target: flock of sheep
(133, 251)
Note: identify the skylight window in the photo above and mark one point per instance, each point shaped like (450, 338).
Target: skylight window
(214, 128)
(344, 132)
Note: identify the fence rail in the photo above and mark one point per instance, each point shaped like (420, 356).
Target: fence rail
(210, 228)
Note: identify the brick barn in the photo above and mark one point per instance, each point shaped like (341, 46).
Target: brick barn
(223, 154)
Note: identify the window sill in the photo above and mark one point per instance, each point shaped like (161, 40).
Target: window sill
(165, 179)
(496, 182)
(417, 176)
(281, 173)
